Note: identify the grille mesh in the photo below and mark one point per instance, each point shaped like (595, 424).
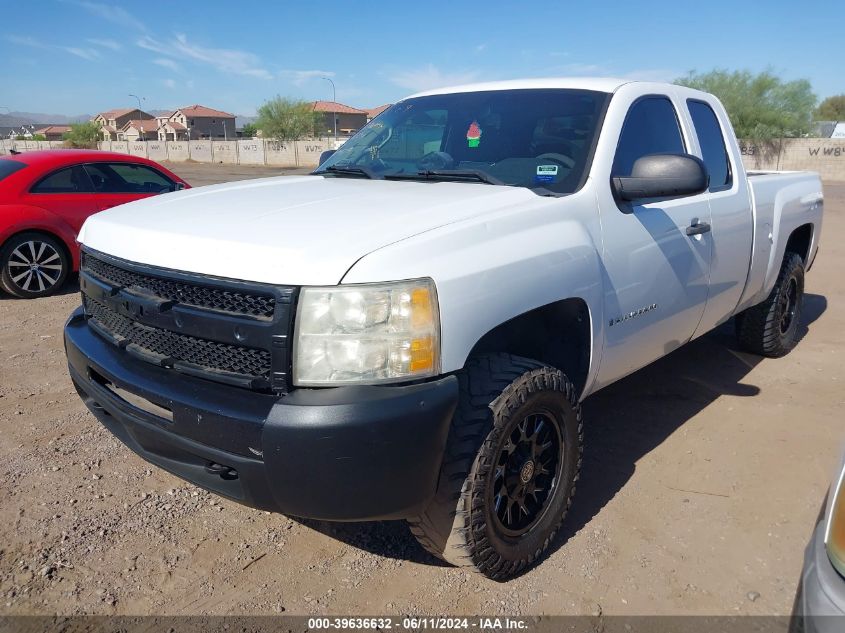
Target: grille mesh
(234, 302)
(209, 355)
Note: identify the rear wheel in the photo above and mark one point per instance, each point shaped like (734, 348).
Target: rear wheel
(771, 328)
(509, 472)
(33, 265)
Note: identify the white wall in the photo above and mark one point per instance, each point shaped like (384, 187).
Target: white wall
(242, 151)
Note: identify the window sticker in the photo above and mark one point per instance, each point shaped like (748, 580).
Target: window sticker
(473, 134)
(546, 173)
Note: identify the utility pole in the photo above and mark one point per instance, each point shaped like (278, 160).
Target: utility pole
(334, 102)
(225, 138)
(3, 138)
(139, 103)
(141, 133)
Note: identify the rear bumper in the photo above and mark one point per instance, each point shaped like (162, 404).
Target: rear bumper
(344, 454)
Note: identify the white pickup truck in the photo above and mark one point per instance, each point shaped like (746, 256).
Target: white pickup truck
(409, 331)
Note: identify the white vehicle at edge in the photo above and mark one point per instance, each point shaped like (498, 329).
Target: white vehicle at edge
(449, 285)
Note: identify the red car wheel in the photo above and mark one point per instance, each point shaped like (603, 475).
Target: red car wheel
(33, 265)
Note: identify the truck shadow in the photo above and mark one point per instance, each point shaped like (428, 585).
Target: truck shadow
(624, 422)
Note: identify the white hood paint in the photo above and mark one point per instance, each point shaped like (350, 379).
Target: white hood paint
(288, 230)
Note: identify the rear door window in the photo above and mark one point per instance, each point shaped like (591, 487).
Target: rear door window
(712, 142)
(651, 127)
(67, 180)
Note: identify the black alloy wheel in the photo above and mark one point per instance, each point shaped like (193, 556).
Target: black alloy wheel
(526, 473)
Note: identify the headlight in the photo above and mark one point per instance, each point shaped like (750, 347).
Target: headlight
(368, 333)
(835, 536)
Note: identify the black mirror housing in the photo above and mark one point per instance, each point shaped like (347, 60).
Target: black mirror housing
(326, 155)
(662, 176)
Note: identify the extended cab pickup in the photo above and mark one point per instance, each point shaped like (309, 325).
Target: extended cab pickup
(409, 331)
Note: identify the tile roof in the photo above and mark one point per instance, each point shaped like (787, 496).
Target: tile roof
(53, 129)
(175, 125)
(113, 114)
(147, 125)
(337, 108)
(374, 112)
(202, 111)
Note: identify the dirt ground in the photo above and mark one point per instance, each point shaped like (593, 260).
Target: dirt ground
(703, 477)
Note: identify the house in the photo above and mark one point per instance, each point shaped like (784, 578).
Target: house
(25, 132)
(54, 132)
(139, 130)
(112, 122)
(349, 120)
(372, 113)
(12, 132)
(170, 129)
(198, 122)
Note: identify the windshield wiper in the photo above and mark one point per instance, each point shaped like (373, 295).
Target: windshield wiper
(351, 171)
(461, 174)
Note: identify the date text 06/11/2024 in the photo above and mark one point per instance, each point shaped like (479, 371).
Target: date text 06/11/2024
(419, 623)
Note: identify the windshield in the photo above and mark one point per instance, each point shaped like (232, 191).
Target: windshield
(540, 139)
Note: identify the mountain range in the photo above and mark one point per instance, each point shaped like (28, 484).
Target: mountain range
(29, 118)
(13, 119)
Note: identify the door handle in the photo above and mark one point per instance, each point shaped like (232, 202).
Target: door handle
(697, 228)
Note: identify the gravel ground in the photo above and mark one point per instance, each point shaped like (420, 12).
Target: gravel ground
(703, 477)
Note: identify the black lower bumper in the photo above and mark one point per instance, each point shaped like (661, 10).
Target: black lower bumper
(344, 454)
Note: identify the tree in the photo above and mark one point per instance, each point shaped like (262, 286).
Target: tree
(832, 109)
(286, 119)
(250, 130)
(82, 135)
(761, 107)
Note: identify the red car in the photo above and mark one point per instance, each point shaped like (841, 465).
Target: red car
(46, 196)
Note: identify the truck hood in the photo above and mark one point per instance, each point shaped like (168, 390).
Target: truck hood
(305, 230)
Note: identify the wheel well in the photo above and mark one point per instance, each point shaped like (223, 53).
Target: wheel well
(799, 241)
(557, 334)
(56, 237)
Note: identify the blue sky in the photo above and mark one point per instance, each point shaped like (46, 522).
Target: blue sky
(85, 56)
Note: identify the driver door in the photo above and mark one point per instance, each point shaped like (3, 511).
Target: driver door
(117, 182)
(656, 275)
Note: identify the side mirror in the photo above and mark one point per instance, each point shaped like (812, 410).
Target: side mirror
(326, 155)
(179, 186)
(662, 176)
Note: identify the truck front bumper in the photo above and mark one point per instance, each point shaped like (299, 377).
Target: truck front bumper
(342, 454)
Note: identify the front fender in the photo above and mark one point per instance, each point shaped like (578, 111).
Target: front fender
(490, 270)
(18, 218)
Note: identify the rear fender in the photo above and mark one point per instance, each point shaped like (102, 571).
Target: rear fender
(18, 218)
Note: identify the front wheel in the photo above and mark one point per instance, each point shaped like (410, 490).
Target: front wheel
(509, 472)
(33, 265)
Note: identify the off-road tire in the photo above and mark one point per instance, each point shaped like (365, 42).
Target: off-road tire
(770, 328)
(52, 255)
(497, 391)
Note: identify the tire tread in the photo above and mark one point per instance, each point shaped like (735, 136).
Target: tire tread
(449, 528)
